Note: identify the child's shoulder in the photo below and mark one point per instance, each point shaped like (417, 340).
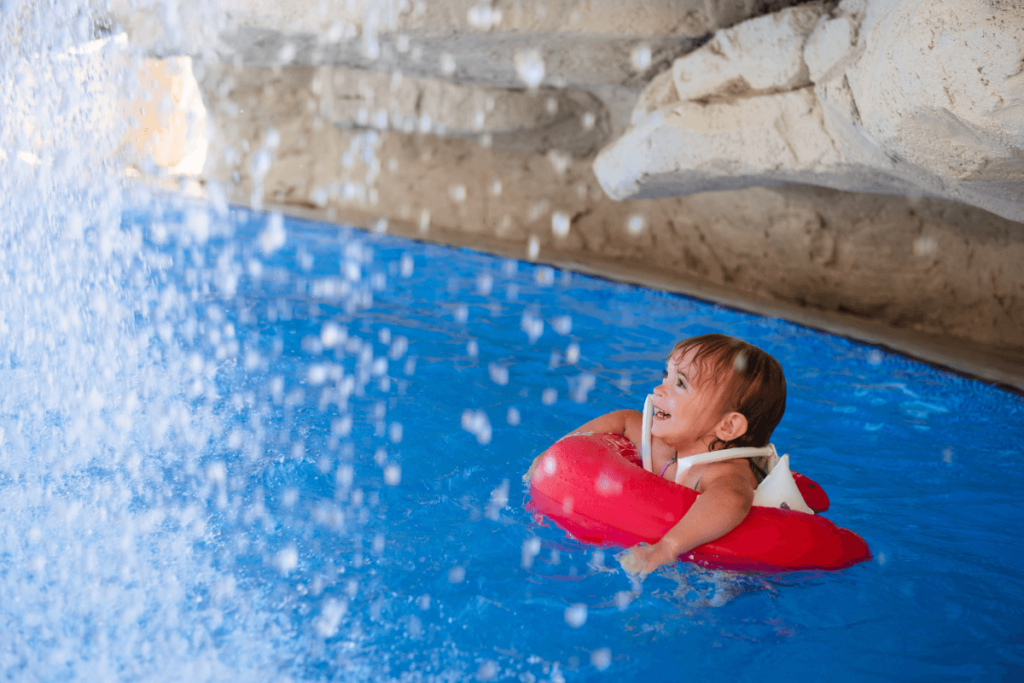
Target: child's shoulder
(633, 421)
(628, 416)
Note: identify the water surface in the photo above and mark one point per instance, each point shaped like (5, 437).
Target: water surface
(324, 483)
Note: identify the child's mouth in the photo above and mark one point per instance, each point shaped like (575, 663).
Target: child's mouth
(661, 414)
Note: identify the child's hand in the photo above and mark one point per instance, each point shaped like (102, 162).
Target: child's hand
(643, 559)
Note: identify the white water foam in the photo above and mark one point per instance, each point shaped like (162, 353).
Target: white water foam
(109, 413)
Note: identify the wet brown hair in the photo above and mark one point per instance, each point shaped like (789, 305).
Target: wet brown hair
(752, 383)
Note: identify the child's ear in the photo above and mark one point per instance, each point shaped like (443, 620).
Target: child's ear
(732, 426)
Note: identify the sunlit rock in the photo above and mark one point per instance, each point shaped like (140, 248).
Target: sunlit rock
(169, 118)
(921, 99)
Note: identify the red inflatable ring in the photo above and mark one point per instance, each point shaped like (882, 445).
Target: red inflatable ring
(593, 487)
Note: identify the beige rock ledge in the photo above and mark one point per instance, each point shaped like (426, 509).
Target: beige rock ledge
(891, 96)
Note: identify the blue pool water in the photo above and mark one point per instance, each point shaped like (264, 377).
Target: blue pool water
(302, 460)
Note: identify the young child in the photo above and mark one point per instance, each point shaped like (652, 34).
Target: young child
(718, 392)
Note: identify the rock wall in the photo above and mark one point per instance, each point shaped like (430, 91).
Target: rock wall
(896, 96)
(303, 117)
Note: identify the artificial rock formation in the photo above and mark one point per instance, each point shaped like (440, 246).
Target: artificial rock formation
(477, 124)
(609, 50)
(893, 96)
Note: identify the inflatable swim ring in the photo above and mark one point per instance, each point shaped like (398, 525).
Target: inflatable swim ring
(594, 486)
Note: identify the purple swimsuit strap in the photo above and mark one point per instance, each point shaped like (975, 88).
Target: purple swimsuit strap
(665, 468)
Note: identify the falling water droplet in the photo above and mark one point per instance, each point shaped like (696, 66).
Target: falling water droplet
(533, 248)
(562, 324)
(286, 54)
(286, 560)
(531, 548)
(498, 373)
(530, 67)
(739, 363)
(406, 265)
(636, 224)
(273, 236)
(487, 671)
(457, 193)
(560, 161)
(484, 284)
(640, 57)
(576, 615)
(601, 659)
(560, 222)
(483, 16)
(924, 246)
(447, 64)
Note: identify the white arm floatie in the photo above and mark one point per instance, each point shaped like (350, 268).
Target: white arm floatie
(778, 490)
(645, 434)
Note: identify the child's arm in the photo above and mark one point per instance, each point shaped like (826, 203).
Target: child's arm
(723, 504)
(621, 422)
(626, 423)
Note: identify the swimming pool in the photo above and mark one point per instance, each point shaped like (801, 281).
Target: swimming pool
(300, 451)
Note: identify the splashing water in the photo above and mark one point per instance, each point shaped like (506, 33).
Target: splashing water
(640, 57)
(101, 452)
(530, 67)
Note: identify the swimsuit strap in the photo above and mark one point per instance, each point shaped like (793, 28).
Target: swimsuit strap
(665, 468)
(759, 471)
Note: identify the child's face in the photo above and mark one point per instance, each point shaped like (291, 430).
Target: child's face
(686, 408)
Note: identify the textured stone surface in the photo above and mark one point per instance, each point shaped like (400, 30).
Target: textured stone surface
(608, 48)
(893, 96)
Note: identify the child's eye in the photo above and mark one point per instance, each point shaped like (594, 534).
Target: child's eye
(679, 380)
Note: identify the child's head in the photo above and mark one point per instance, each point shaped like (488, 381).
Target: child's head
(751, 383)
